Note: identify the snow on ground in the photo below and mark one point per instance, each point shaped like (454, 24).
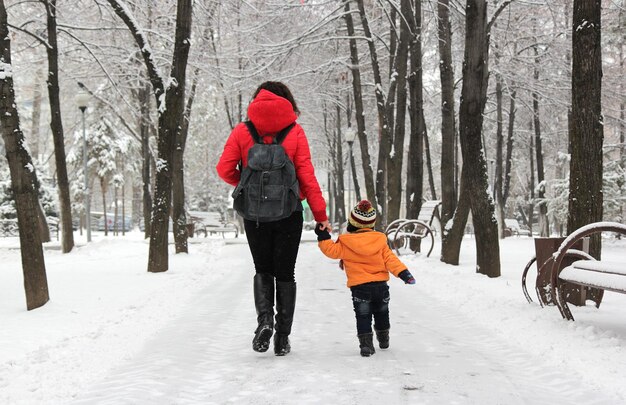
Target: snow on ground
(103, 306)
(114, 334)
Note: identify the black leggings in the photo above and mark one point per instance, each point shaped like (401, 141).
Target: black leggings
(274, 245)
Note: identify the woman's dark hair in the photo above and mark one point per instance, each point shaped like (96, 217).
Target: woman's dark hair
(281, 90)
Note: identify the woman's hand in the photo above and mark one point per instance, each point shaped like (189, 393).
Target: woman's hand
(325, 226)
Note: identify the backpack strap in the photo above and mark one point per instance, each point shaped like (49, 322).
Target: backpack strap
(253, 132)
(280, 137)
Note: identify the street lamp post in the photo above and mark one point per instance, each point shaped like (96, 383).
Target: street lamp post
(82, 99)
(350, 136)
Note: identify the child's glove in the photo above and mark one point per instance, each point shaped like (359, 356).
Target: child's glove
(407, 277)
(321, 234)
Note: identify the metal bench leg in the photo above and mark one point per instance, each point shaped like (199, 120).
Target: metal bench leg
(524, 274)
(432, 242)
(562, 304)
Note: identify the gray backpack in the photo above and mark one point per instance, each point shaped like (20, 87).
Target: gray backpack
(268, 189)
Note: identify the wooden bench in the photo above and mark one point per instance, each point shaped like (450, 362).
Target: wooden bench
(211, 223)
(594, 276)
(430, 211)
(403, 234)
(53, 225)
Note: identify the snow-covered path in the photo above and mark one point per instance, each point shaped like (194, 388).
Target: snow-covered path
(437, 355)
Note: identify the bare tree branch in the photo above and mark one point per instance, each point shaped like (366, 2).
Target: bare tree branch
(125, 14)
(498, 11)
(37, 37)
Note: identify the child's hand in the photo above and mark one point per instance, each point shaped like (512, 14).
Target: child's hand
(407, 277)
(322, 234)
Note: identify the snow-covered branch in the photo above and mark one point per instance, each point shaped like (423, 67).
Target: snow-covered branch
(498, 11)
(70, 34)
(122, 10)
(39, 39)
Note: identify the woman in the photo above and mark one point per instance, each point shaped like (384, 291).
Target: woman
(274, 244)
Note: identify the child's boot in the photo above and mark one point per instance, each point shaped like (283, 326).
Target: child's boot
(366, 344)
(383, 338)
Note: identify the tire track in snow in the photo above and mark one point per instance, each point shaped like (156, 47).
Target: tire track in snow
(437, 355)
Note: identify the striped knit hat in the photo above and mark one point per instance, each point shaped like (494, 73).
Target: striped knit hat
(363, 215)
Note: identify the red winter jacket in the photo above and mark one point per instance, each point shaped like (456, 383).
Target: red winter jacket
(270, 113)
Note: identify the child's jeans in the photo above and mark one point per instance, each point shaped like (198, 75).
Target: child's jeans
(371, 299)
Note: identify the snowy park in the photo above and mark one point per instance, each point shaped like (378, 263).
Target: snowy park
(115, 334)
(312, 202)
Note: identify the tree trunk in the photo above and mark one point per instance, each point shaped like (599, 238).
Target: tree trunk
(568, 61)
(44, 228)
(415, 159)
(393, 39)
(146, 161)
(170, 103)
(499, 146)
(123, 209)
(525, 221)
(357, 88)
(448, 130)
(56, 125)
(622, 105)
(509, 149)
(36, 117)
(621, 123)
(457, 170)
(531, 185)
(544, 226)
(473, 98)
(137, 203)
(103, 187)
(429, 167)
(34, 150)
(453, 230)
(239, 64)
(179, 219)
(340, 201)
(169, 120)
(23, 179)
(330, 164)
(587, 133)
(394, 167)
(331, 197)
(355, 179)
(115, 212)
(622, 116)
(385, 130)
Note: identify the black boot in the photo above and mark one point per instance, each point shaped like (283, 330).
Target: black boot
(366, 344)
(264, 302)
(285, 306)
(383, 338)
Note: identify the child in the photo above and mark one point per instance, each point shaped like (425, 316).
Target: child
(367, 260)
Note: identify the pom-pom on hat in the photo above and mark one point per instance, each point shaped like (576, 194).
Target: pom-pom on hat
(363, 215)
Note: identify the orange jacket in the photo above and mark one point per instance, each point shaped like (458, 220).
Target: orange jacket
(365, 254)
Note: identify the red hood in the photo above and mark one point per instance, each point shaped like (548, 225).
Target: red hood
(270, 113)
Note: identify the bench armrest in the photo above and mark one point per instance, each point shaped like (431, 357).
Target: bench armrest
(587, 230)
